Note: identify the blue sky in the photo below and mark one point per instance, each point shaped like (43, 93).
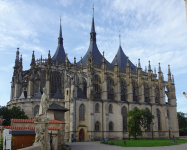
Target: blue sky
(150, 30)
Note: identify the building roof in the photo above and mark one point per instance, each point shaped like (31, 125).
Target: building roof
(58, 95)
(23, 95)
(122, 60)
(30, 128)
(55, 106)
(60, 52)
(32, 121)
(93, 49)
(38, 95)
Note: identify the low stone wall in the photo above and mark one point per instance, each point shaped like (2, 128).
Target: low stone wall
(31, 148)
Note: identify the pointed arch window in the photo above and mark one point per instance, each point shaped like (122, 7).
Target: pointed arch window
(110, 87)
(111, 126)
(97, 87)
(146, 92)
(158, 119)
(97, 108)
(55, 82)
(36, 110)
(157, 95)
(82, 112)
(124, 115)
(123, 90)
(97, 126)
(135, 90)
(110, 108)
(84, 86)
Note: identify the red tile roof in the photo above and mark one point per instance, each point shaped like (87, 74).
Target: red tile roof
(32, 121)
(31, 128)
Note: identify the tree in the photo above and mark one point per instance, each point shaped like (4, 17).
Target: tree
(182, 120)
(138, 118)
(13, 113)
(182, 123)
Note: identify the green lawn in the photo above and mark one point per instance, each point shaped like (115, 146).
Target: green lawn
(148, 143)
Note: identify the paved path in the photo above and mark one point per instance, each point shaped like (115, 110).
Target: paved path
(98, 146)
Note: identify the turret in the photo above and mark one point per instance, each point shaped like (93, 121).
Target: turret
(33, 63)
(75, 64)
(169, 74)
(139, 73)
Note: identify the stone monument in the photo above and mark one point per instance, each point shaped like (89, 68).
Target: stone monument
(42, 123)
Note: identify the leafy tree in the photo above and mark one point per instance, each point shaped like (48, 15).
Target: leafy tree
(182, 120)
(14, 113)
(182, 123)
(138, 118)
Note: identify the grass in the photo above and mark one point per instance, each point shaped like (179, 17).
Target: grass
(148, 143)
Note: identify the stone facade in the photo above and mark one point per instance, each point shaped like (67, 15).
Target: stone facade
(97, 93)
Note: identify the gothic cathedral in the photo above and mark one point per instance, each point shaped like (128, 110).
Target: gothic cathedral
(97, 93)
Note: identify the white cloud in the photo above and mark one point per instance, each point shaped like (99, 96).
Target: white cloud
(65, 2)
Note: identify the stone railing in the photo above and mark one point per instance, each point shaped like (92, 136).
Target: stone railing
(31, 148)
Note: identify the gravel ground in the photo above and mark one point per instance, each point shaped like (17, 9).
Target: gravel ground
(98, 146)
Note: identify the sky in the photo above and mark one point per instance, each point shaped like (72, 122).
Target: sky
(150, 30)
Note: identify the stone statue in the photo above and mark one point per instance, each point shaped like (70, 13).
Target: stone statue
(44, 103)
(40, 131)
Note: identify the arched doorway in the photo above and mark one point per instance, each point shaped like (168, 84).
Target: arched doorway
(81, 135)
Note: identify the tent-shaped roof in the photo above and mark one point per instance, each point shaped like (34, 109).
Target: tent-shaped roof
(38, 95)
(60, 52)
(55, 106)
(122, 60)
(93, 49)
(58, 95)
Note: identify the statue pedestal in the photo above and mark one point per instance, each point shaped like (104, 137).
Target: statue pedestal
(41, 130)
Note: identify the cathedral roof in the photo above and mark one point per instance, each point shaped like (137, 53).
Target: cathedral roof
(58, 95)
(93, 49)
(60, 52)
(23, 95)
(122, 60)
(38, 95)
(55, 106)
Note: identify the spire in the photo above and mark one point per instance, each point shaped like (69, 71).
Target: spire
(127, 64)
(93, 33)
(17, 57)
(95, 53)
(33, 59)
(17, 54)
(139, 66)
(81, 62)
(116, 62)
(169, 72)
(103, 59)
(119, 39)
(149, 66)
(173, 78)
(74, 61)
(155, 70)
(60, 39)
(60, 52)
(159, 68)
(49, 55)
